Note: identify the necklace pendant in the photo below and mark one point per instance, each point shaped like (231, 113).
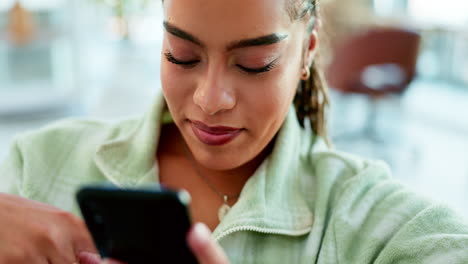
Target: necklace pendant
(222, 211)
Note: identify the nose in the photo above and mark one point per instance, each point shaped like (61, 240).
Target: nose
(214, 93)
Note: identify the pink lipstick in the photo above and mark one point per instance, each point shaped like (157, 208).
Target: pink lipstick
(214, 135)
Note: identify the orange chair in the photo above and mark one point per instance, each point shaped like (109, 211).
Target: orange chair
(375, 63)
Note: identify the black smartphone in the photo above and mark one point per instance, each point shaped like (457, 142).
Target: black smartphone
(138, 225)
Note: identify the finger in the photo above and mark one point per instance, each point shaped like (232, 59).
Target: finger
(204, 247)
(19, 201)
(55, 244)
(61, 257)
(72, 240)
(83, 242)
(89, 258)
(92, 258)
(111, 261)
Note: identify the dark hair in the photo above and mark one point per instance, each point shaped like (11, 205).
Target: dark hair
(311, 101)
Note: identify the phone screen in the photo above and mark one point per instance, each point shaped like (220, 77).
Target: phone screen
(147, 225)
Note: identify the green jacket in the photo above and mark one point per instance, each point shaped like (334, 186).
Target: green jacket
(304, 204)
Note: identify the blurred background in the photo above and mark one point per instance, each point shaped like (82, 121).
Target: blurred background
(397, 69)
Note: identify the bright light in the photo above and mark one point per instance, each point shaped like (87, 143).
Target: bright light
(441, 13)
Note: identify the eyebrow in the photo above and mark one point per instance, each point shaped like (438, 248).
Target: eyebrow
(259, 41)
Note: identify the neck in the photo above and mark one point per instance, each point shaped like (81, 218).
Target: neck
(228, 182)
(231, 182)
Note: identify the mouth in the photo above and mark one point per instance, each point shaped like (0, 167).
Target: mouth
(214, 135)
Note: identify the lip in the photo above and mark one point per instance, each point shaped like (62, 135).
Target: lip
(214, 135)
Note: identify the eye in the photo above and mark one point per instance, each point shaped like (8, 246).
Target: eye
(185, 64)
(267, 68)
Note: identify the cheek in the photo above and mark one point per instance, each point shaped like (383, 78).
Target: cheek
(167, 80)
(175, 87)
(278, 90)
(168, 84)
(270, 101)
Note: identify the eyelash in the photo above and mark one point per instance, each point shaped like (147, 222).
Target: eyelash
(267, 68)
(190, 64)
(185, 64)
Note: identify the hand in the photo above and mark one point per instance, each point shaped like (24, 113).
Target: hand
(33, 232)
(199, 239)
(204, 247)
(92, 258)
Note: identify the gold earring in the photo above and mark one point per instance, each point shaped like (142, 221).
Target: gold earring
(306, 74)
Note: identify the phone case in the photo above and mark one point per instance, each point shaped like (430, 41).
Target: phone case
(146, 225)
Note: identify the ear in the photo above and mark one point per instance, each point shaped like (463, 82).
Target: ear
(311, 47)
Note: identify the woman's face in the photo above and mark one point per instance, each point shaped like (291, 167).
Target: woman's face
(229, 73)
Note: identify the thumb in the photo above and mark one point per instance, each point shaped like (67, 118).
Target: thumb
(204, 247)
(111, 261)
(92, 258)
(89, 258)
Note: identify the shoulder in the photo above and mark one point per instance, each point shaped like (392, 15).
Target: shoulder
(60, 155)
(70, 133)
(349, 181)
(331, 179)
(372, 216)
(69, 140)
(335, 171)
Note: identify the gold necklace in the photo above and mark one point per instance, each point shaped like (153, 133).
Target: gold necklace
(225, 208)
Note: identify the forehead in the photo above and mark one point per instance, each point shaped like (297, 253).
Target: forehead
(220, 21)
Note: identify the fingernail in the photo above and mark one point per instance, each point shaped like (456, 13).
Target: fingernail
(201, 233)
(89, 258)
(110, 261)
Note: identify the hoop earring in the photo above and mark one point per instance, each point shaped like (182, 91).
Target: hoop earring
(306, 75)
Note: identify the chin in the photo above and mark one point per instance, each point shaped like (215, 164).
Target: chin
(220, 160)
(220, 166)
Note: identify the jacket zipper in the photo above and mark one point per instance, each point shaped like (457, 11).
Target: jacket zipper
(262, 230)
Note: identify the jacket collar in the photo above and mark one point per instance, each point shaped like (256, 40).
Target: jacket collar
(127, 157)
(271, 200)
